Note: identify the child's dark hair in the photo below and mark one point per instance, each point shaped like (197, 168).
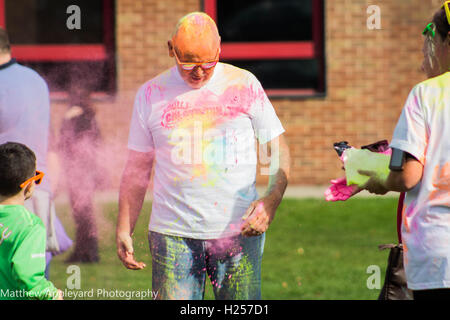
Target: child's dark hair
(17, 164)
(441, 22)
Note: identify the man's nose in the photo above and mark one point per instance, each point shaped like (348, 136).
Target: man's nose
(198, 71)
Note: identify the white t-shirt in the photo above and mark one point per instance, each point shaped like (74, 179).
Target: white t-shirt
(423, 130)
(204, 144)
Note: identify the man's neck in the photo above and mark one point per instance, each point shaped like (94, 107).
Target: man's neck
(5, 58)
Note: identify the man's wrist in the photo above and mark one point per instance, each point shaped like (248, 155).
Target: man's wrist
(120, 232)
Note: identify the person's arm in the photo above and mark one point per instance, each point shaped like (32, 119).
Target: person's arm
(400, 181)
(262, 212)
(54, 169)
(53, 163)
(133, 186)
(410, 136)
(408, 178)
(28, 266)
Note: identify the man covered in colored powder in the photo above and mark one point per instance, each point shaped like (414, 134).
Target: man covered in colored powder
(198, 123)
(423, 134)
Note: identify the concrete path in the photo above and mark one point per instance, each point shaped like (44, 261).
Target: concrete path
(298, 192)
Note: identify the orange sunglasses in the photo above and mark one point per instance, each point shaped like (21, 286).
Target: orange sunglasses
(37, 179)
(191, 65)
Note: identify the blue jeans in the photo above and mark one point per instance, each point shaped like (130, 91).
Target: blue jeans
(180, 266)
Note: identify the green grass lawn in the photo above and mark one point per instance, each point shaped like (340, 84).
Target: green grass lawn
(314, 250)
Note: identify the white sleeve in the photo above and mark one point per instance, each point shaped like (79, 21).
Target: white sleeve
(410, 134)
(140, 137)
(264, 119)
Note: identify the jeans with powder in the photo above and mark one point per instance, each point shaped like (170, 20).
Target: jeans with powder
(180, 267)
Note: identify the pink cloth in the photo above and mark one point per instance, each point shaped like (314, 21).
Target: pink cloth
(339, 191)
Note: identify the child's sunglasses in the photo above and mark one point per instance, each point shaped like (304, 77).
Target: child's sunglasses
(191, 65)
(37, 179)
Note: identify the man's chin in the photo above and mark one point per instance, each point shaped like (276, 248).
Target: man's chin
(196, 84)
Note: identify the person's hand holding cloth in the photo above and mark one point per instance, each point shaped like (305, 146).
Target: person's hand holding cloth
(368, 165)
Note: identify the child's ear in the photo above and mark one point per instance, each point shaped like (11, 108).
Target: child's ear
(28, 190)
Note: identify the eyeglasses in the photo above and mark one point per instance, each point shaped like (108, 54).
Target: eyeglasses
(431, 28)
(37, 179)
(446, 5)
(191, 65)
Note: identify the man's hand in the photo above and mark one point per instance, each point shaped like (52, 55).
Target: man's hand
(126, 253)
(133, 186)
(261, 212)
(258, 217)
(374, 185)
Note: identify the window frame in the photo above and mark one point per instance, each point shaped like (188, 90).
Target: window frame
(104, 51)
(279, 50)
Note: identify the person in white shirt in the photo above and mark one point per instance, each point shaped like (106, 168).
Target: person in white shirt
(198, 123)
(423, 134)
(25, 118)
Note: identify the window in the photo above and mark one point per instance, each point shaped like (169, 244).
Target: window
(41, 39)
(280, 41)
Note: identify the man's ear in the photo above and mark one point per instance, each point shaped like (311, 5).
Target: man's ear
(220, 44)
(170, 47)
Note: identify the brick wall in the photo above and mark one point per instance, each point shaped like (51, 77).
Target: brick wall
(369, 75)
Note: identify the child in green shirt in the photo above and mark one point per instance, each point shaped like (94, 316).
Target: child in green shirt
(22, 234)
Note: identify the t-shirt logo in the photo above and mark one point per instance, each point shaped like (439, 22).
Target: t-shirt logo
(234, 101)
(4, 233)
(180, 111)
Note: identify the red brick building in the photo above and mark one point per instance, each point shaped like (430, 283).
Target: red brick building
(362, 76)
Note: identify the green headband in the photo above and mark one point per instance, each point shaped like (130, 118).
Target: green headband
(430, 28)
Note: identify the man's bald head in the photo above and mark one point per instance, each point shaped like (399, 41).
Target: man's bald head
(196, 32)
(195, 40)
